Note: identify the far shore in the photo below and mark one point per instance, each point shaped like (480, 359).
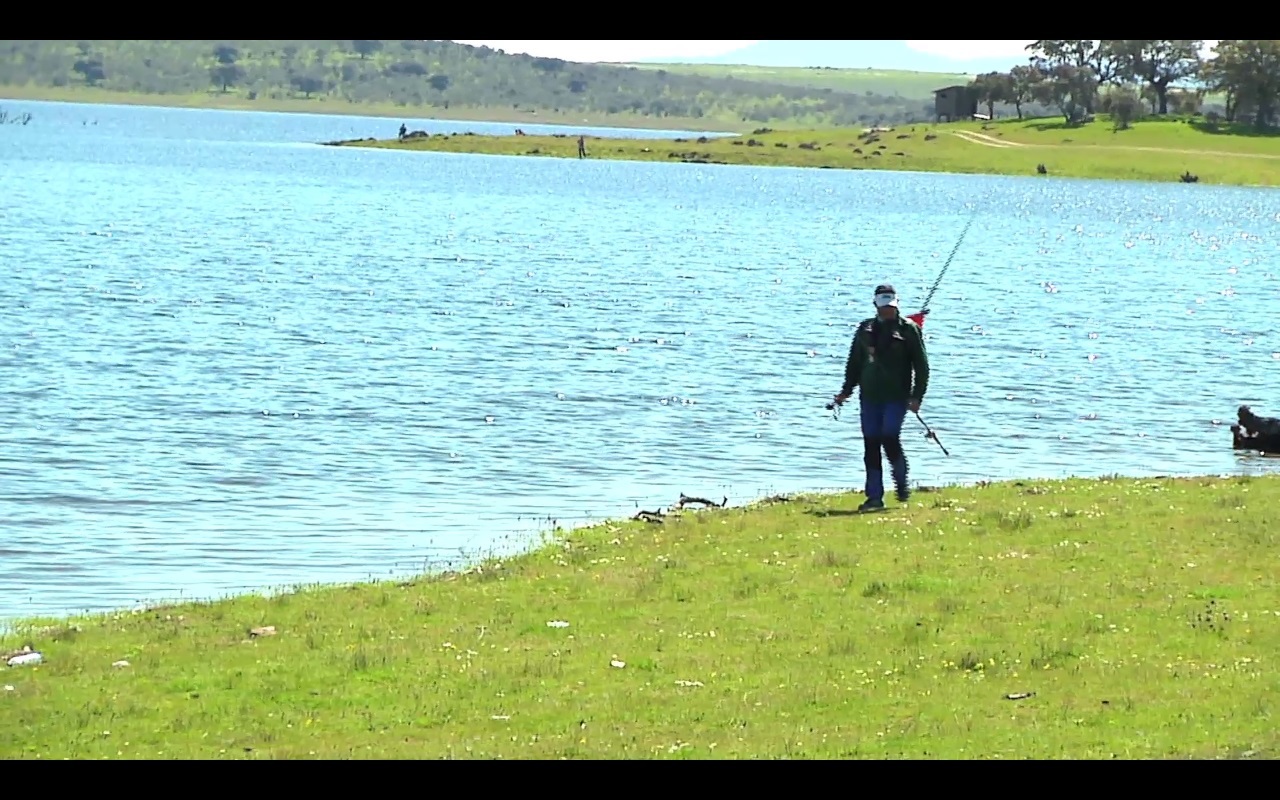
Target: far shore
(1162, 150)
(1185, 150)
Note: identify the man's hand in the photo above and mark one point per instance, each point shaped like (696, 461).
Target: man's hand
(840, 398)
(913, 406)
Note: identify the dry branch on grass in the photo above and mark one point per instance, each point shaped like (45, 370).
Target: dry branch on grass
(685, 500)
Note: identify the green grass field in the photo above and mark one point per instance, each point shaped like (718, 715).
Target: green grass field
(1152, 150)
(234, 101)
(1111, 618)
(904, 83)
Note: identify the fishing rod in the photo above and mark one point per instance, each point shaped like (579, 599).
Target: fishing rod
(928, 298)
(919, 316)
(929, 434)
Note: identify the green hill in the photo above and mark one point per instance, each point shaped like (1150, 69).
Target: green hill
(446, 79)
(887, 82)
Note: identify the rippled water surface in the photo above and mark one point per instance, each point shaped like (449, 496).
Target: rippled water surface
(233, 359)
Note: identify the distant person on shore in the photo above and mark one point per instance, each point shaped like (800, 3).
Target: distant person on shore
(582, 147)
(403, 130)
(886, 353)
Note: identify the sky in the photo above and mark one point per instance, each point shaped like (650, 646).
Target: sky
(962, 54)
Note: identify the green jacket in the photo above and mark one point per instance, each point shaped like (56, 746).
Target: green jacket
(882, 358)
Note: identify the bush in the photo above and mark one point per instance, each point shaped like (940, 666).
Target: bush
(1123, 104)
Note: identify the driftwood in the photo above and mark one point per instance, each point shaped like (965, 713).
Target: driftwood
(685, 500)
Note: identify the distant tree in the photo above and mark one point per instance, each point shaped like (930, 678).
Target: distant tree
(1216, 76)
(225, 72)
(226, 54)
(1068, 88)
(307, 84)
(992, 88)
(1161, 63)
(439, 82)
(91, 69)
(366, 47)
(226, 75)
(1022, 85)
(1124, 105)
(1248, 72)
(548, 64)
(1101, 57)
(406, 68)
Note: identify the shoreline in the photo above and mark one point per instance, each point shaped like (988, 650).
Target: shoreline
(552, 537)
(342, 108)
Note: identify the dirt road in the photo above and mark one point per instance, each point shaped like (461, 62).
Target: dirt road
(991, 141)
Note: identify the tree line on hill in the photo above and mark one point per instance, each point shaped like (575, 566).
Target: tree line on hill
(428, 75)
(1116, 76)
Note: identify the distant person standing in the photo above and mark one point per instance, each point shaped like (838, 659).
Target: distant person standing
(582, 147)
(886, 353)
(403, 130)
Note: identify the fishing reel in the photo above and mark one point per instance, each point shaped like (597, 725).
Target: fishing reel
(929, 434)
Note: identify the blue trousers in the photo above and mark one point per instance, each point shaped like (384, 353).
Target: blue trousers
(881, 429)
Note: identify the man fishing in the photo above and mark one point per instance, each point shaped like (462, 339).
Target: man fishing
(887, 352)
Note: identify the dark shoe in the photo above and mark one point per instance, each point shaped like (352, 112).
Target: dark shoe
(904, 494)
(871, 505)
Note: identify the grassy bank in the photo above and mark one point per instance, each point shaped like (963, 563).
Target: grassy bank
(1075, 619)
(326, 105)
(1152, 150)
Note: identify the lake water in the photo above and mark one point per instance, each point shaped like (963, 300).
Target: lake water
(232, 359)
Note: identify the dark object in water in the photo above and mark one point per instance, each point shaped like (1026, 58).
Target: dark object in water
(1253, 432)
